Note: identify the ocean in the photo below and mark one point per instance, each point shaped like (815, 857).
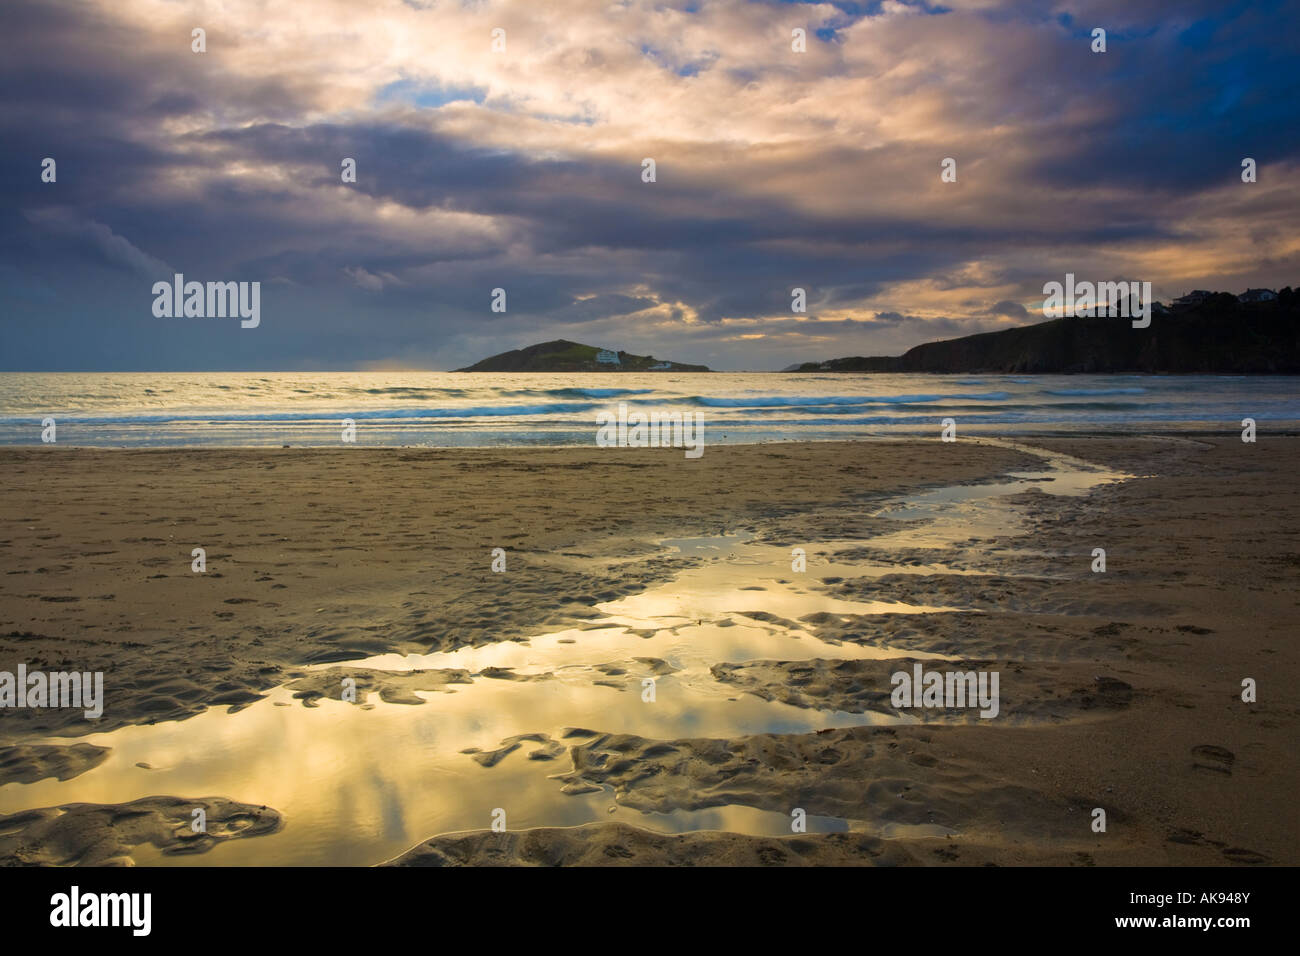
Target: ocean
(439, 409)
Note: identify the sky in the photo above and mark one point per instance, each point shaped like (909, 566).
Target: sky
(522, 169)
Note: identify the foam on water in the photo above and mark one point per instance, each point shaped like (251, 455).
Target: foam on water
(480, 409)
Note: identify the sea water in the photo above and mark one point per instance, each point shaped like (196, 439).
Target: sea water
(441, 409)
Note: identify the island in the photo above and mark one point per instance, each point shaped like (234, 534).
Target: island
(562, 355)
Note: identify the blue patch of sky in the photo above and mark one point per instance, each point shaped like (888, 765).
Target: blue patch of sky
(428, 95)
(869, 9)
(853, 9)
(847, 12)
(666, 62)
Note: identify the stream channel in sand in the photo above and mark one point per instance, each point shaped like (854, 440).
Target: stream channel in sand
(361, 784)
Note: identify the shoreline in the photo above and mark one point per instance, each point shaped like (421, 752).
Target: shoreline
(975, 432)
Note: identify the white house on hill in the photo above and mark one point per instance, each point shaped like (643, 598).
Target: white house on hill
(1257, 295)
(606, 357)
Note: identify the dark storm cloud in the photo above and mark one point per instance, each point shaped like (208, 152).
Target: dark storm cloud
(226, 166)
(1012, 310)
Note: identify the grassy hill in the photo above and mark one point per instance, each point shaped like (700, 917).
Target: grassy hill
(562, 355)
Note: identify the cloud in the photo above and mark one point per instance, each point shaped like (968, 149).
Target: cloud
(365, 280)
(1009, 309)
(521, 169)
(112, 249)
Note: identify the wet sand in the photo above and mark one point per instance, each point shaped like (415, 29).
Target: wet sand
(321, 555)
(1119, 690)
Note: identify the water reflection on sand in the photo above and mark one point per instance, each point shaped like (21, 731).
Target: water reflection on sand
(360, 783)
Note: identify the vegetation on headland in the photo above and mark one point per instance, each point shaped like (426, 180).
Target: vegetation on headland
(1216, 335)
(562, 355)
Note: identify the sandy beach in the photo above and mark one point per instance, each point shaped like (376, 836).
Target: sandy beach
(1119, 690)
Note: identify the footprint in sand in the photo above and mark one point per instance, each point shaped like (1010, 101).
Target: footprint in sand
(1210, 757)
(1237, 855)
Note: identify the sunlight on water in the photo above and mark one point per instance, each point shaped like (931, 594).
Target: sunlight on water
(446, 409)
